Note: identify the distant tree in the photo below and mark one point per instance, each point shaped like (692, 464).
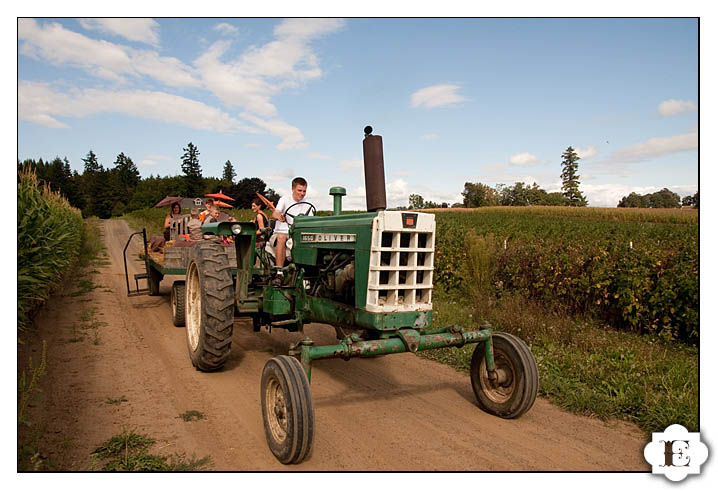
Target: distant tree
(687, 201)
(478, 194)
(91, 163)
(152, 189)
(246, 190)
(695, 199)
(416, 202)
(665, 199)
(272, 195)
(570, 177)
(431, 204)
(94, 188)
(516, 195)
(634, 200)
(444, 204)
(194, 185)
(660, 199)
(554, 199)
(127, 177)
(228, 174)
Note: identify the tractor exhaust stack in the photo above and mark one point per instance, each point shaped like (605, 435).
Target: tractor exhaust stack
(374, 171)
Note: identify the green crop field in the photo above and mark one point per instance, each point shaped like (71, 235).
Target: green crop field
(635, 269)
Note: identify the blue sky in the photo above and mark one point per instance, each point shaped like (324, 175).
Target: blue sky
(455, 100)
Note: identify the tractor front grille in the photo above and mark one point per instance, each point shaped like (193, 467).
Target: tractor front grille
(401, 266)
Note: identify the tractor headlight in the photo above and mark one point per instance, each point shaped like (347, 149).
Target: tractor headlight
(236, 229)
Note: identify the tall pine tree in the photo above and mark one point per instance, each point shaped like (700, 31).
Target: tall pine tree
(194, 185)
(569, 176)
(228, 174)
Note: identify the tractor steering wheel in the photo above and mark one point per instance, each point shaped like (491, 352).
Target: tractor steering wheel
(311, 209)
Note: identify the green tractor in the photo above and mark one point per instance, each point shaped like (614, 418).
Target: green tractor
(369, 275)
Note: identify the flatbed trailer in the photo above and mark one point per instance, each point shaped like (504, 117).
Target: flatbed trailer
(172, 261)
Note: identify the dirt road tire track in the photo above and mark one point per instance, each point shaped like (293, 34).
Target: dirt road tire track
(399, 412)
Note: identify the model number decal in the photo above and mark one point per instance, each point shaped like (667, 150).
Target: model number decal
(323, 237)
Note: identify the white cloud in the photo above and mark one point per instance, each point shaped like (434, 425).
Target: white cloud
(291, 136)
(524, 159)
(352, 165)
(319, 156)
(430, 137)
(283, 176)
(100, 58)
(158, 157)
(673, 107)
(656, 147)
(148, 163)
(437, 96)
(249, 81)
(586, 153)
(39, 101)
(133, 29)
(397, 193)
(224, 28)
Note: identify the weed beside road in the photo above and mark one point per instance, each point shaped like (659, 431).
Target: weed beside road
(585, 366)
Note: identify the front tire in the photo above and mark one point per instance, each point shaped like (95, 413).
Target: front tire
(287, 410)
(209, 306)
(515, 389)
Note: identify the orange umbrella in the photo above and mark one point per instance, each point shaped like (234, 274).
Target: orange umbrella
(219, 195)
(222, 204)
(266, 201)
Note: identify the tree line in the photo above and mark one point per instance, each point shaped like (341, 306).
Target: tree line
(477, 194)
(113, 191)
(664, 198)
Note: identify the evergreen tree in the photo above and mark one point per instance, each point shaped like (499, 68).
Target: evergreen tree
(569, 176)
(92, 185)
(228, 174)
(194, 186)
(127, 177)
(91, 163)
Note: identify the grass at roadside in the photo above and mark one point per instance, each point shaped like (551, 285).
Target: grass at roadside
(30, 376)
(584, 366)
(129, 451)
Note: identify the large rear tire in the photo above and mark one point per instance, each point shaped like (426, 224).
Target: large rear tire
(287, 410)
(178, 303)
(515, 389)
(209, 306)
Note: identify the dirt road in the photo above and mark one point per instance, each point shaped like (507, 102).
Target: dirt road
(398, 412)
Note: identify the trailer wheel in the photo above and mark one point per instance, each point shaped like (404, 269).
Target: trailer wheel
(209, 306)
(153, 282)
(178, 294)
(514, 391)
(287, 410)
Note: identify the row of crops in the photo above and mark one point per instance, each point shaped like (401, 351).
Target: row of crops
(49, 232)
(635, 271)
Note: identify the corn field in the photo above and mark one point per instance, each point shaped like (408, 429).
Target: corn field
(49, 233)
